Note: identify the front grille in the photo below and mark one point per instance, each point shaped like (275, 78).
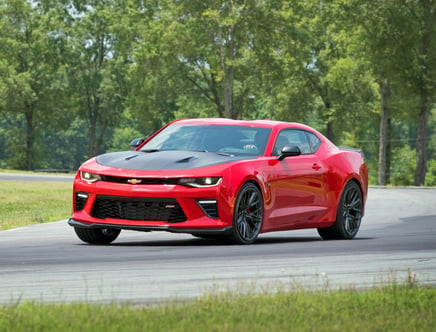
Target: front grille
(81, 199)
(145, 209)
(153, 181)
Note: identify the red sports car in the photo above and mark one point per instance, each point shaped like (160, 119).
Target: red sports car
(223, 178)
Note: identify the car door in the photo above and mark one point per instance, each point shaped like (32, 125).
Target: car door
(297, 183)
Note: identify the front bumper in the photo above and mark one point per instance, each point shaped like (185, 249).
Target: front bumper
(171, 208)
(220, 231)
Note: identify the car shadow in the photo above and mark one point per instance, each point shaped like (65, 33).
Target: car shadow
(200, 242)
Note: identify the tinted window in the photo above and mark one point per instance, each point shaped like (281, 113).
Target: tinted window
(307, 142)
(213, 138)
(314, 142)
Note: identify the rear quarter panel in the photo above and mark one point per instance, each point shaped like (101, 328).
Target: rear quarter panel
(344, 166)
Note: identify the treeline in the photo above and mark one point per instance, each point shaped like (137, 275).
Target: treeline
(83, 77)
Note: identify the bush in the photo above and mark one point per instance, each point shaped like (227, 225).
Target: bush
(430, 177)
(403, 165)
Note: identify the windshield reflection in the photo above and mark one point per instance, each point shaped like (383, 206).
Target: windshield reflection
(210, 138)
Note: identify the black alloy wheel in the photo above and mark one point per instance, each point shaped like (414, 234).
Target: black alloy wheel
(247, 215)
(349, 215)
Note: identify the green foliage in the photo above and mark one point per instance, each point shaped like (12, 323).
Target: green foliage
(98, 65)
(65, 146)
(396, 38)
(430, 179)
(403, 165)
(122, 137)
(75, 75)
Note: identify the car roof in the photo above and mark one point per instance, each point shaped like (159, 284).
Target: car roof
(266, 123)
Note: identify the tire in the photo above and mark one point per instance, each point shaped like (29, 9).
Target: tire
(247, 215)
(97, 235)
(349, 215)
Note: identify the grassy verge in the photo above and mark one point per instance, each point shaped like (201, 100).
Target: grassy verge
(391, 308)
(23, 203)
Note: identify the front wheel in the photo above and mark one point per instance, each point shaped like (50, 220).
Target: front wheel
(247, 215)
(97, 235)
(348, 217)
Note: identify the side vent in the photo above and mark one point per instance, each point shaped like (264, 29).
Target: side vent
(209, 207)
(81, 199)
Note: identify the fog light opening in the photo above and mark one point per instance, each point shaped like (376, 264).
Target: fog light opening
(209, 207)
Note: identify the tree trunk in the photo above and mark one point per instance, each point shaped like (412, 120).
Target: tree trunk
(227, 99)
(93, 117)
(99, 140)
(425, 93)
(30, 138)
(92, 137)
(421, 160)
(227, 51)
(383, 146)
(330, 133)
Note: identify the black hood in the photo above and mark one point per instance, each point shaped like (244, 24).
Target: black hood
(166, 160)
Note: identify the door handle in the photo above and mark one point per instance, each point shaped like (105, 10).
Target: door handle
(316, 167)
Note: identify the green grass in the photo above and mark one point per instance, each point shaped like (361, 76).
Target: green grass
(29, 202)
(390, 308)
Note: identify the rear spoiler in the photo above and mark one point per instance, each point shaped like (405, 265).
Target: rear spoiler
(346, 148)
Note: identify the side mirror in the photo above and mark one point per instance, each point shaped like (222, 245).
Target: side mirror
(289, 151)
(136, 142)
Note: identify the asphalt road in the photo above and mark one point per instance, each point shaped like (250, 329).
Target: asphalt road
(36, 177)
(47, 262)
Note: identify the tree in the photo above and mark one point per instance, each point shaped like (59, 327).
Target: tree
(320, 68)
(210, 47)
(98, 61)
(399, 39)
(424, 12)
(28, 82)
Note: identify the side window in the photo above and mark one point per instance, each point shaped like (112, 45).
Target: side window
(307, 142)
(281, 141)
(314, 142)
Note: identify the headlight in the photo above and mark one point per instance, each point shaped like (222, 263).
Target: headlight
(89, 177)
(208, 181)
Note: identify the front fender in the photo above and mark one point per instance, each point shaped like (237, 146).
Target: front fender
(233, 180)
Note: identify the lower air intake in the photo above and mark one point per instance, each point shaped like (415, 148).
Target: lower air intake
(140, 209)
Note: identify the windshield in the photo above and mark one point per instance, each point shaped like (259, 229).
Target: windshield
(211, 138)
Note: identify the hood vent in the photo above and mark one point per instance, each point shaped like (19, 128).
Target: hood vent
(187, 160)
(131, 157)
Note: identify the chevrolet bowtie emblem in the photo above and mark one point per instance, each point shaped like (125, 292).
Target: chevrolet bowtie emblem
(134, 181)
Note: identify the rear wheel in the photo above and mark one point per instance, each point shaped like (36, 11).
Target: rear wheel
(97, 235)
(247, 215)
(348, 217)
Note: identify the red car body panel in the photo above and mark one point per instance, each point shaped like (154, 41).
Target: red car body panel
(298, 192)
